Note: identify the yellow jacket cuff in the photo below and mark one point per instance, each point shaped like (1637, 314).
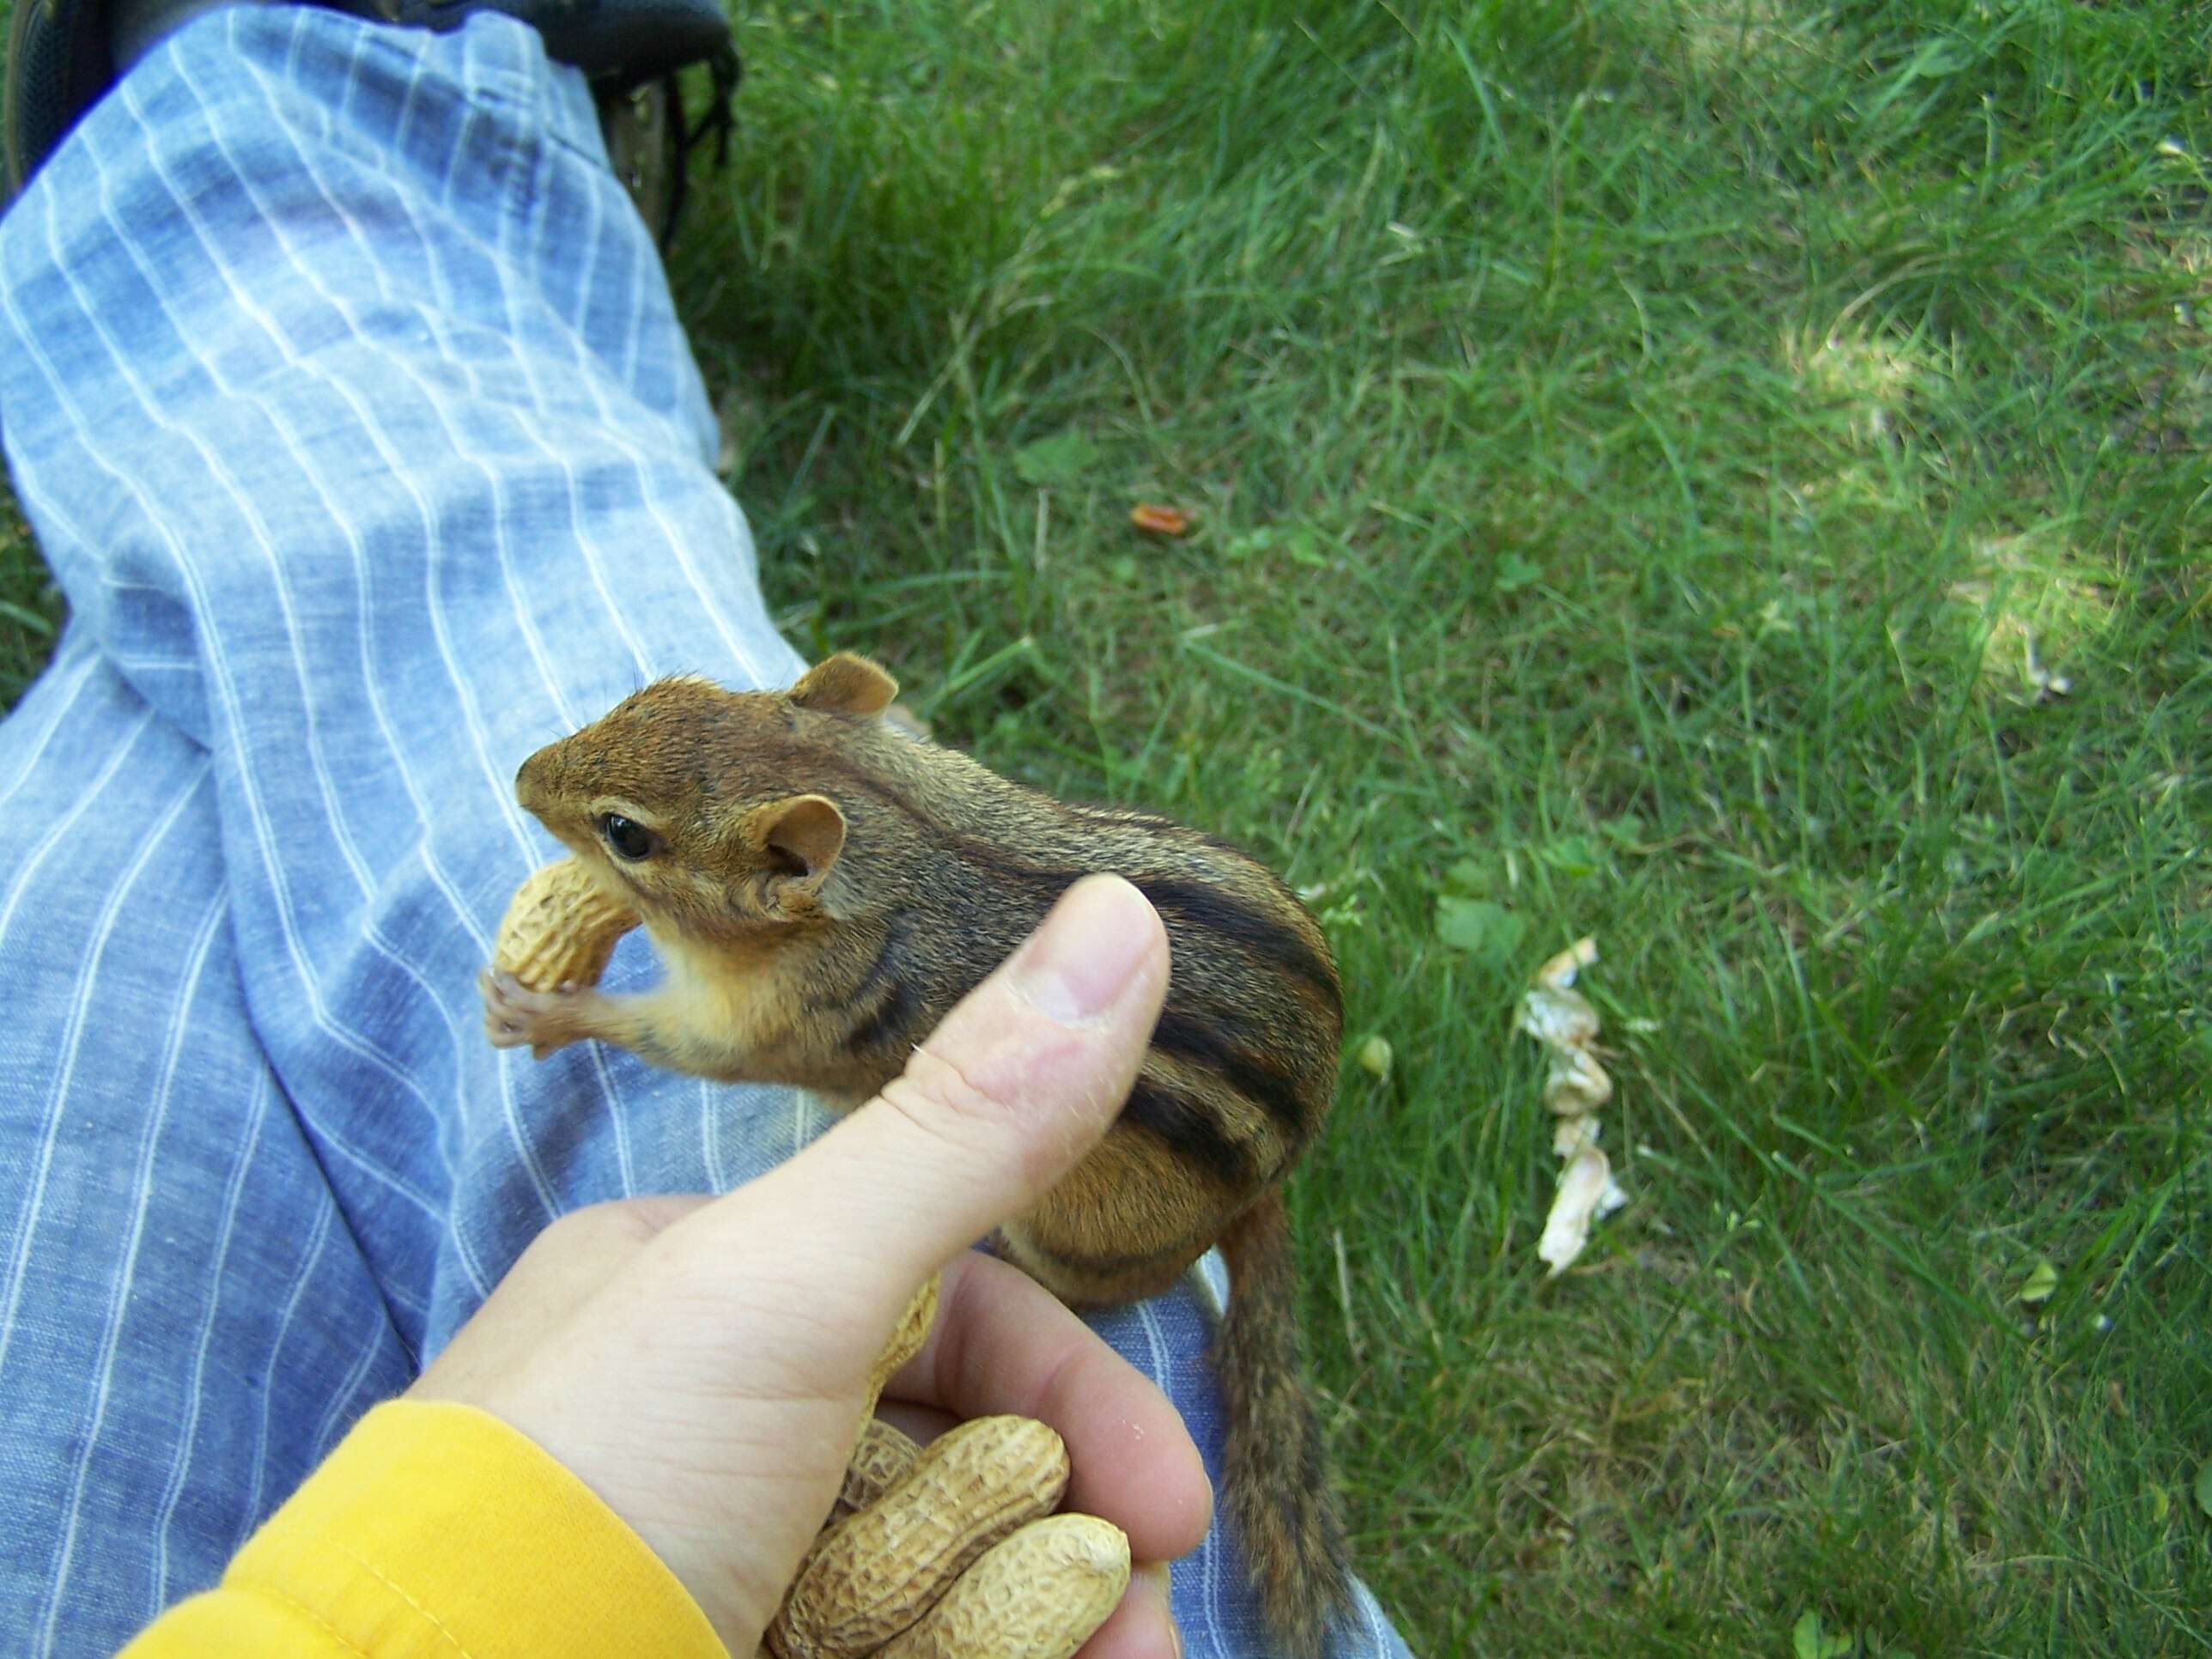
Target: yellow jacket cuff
(435, 1531)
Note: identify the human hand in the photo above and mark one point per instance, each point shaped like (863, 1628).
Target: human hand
(703, 1364)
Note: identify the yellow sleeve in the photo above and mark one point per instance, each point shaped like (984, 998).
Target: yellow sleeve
(435, 1531)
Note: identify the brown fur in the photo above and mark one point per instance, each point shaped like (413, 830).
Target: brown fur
(823, 887)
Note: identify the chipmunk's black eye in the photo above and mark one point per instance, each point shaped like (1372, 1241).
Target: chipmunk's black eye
(627, 838)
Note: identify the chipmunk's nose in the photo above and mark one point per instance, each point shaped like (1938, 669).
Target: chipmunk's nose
(530, 781)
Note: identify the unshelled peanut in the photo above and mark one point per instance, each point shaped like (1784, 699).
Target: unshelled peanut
(1039, 1594)
(876, 1573)
(560, 928)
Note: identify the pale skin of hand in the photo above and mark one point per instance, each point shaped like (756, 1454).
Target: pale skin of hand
(702, 1363)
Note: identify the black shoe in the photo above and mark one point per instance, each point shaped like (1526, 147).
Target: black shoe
(63, 54)
(650, 139)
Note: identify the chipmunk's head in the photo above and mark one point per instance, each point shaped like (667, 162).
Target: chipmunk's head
(690, 802)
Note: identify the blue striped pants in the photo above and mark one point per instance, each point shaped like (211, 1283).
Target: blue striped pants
(343, 390)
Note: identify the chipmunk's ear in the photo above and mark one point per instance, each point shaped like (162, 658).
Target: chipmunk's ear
(845, 685)
(798, 838)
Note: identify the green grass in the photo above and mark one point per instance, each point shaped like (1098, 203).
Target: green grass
(30, 608)
(1631, 444)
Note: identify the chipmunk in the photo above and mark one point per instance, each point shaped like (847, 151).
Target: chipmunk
(823, 887)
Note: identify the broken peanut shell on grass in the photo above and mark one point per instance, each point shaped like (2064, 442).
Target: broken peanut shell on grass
(1586, 1191)
(1570, 1134)
(1561, 1018)
(1576, 1084)
(1037, 1596)
(560, 928)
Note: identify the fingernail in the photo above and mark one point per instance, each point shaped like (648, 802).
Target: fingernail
(1151, 1580)
(1088, 951)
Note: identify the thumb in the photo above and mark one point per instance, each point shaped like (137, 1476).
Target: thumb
(1022, 1079)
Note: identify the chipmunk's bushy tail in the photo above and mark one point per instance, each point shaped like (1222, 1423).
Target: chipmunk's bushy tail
(1276, 1480)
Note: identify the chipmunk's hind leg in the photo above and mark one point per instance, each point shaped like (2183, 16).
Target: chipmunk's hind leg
(1123, 1224)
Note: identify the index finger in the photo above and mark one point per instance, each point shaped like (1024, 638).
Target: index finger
(1004, 1343)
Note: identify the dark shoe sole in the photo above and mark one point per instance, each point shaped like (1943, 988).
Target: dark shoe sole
(54, 72)
(61, 58)
(618, 44)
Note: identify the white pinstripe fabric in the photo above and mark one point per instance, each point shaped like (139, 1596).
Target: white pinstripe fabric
(342, 389)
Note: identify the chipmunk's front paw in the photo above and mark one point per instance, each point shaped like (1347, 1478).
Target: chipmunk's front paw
(516, 1017)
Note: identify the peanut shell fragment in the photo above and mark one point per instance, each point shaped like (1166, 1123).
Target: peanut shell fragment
(879, 1461)
(1562, 1019)
(1037, 1596)
(905, 1341)
(560, 928)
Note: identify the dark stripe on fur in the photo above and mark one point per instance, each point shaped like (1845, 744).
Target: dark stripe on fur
(1207, 1042)
(889, 983)
(1196, 902)
(1217, 912)
(891, 1021)
(1189, 1131)
(889, 956)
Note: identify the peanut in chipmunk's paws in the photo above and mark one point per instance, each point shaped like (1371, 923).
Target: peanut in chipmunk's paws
(516, 1017)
